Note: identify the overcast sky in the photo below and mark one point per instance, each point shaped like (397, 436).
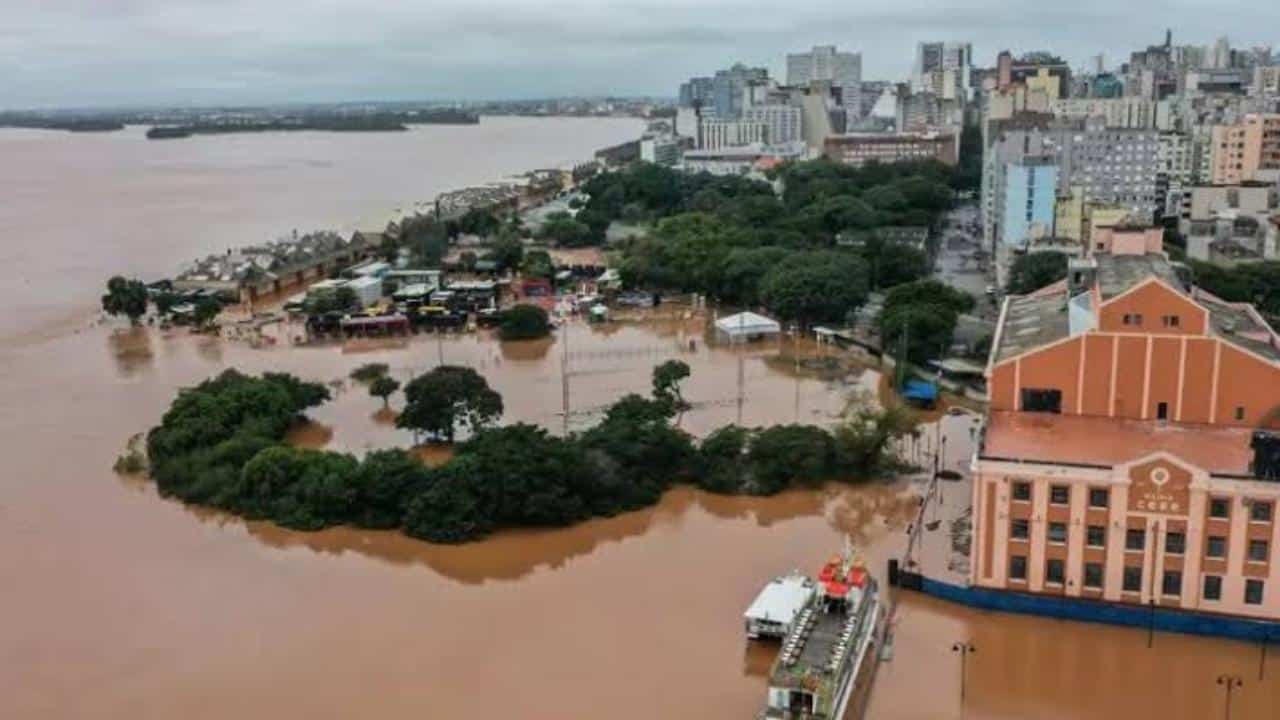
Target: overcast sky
(74, 53)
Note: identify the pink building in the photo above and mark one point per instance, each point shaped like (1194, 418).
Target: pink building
(1131, 453)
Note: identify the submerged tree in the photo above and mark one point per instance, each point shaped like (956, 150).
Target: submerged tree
(447, 398)
(384, 386)
(666, 384)
(125, 297)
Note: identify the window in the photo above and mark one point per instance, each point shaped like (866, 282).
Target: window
(1171, 321)
(1216, 547)
(1212, 587)
(1018, 567)
(1132, 578)
(1253, 592)
(1022, 491)
(1175, 543)
(1162, 411)
(1171, 584)
(1053, 572)
(1019, 529)
(1099, 497)
(1133, 319)
(1093, 575)
(1260, 512)
(1059, 494)
(1097, 536)
(1135, 539)
(1239, 412)
(1057, 532)
(1258, 551)
(1041, 400)
(1219, 508)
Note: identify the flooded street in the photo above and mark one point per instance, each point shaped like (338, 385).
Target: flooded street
(117, 603)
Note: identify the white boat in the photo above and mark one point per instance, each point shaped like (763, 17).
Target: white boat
(774, 610)
(827, 662)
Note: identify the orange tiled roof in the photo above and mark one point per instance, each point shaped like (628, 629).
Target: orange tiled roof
(1089, 440)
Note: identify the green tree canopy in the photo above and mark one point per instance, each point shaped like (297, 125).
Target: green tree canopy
(524, 322)
(125, 297)
(1032, 271)
(384, 387)
(820, 286)
(564, 230)
(447, 398)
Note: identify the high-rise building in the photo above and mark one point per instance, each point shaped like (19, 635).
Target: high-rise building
(943, 68)
(1247, 151)
(824, 62)
(723, 94)
(729, 88)
(1030, 193)
(782, 122)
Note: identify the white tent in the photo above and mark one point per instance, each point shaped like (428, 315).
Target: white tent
(746, 326)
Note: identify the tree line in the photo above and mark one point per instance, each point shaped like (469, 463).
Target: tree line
(221, 444)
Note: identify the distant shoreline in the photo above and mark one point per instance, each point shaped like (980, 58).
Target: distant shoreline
(386, 122)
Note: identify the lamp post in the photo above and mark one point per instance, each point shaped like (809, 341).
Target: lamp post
(965, 648)
(1230, 682)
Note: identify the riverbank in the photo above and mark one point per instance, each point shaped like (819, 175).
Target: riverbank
(215, 193)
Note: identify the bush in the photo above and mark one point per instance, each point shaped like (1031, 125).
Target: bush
(524, 322)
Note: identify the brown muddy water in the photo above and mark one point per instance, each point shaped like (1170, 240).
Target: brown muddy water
(116, 603)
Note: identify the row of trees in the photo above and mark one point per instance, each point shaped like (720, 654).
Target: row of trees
(131, 298)
(221, 444)
(809, 255)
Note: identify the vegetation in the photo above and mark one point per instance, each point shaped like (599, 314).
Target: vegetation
(537, 264)
(447, 398)
(384, 387)
(524, 322)
(221, 444)
(564, 230)
(1257, 283)
(369, 372)
(726, 237)
(1032, 271)
(923, 314)
(125, 297)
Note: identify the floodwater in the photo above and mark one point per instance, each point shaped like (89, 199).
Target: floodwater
(76, 208)
(116, 603)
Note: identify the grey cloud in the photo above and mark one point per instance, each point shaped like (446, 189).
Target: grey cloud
(83, 52)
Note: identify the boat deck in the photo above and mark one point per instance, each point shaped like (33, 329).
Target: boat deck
(820, 641)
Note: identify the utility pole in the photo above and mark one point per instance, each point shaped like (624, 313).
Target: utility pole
(1230, 682)
(965, 648)
(564, 377)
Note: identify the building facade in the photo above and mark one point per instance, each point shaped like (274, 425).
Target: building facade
(782, 123)
(716, 133)
(858, 149)
(1130, 454)
(1030, 195)
(824, 62)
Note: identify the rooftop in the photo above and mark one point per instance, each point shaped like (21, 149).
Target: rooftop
(1031, 321)
(1102, 441)
(1119, 273)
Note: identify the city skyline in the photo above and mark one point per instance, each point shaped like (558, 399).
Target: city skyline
(73, 53)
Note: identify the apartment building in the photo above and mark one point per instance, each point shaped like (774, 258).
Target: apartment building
(1130, 455)
(861, 148)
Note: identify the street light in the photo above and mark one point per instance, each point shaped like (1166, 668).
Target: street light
(965, 648)
(1230, 682)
